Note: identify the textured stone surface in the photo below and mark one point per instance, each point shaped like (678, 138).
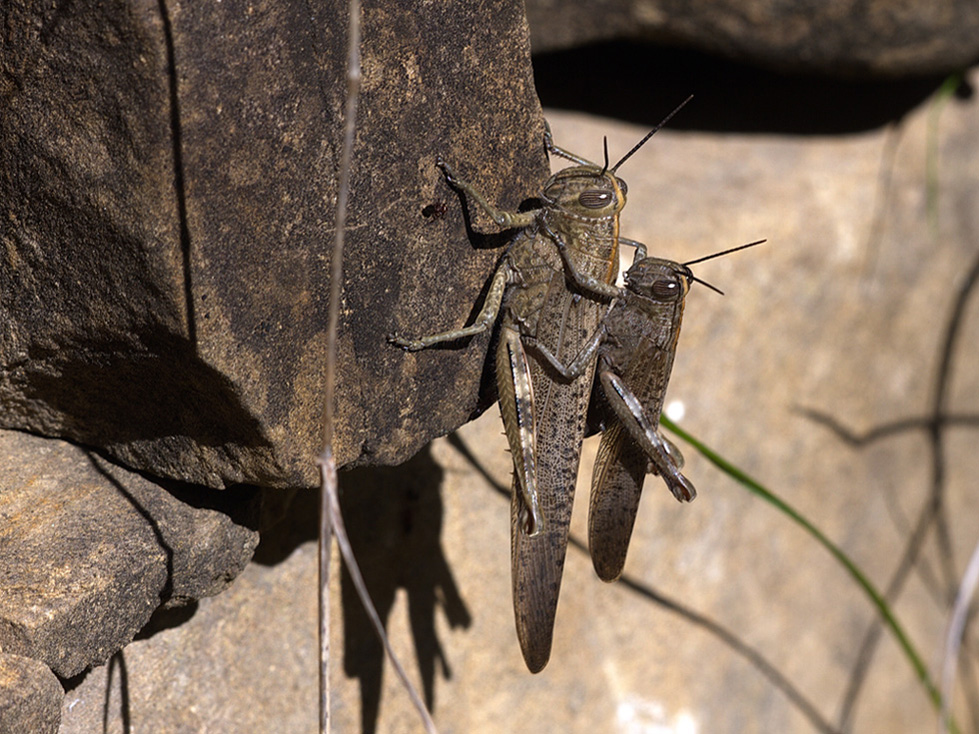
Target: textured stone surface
(30, 696)
(167, 186)
(876, 38)
(244, 661)
(730, 618)
(88, 551)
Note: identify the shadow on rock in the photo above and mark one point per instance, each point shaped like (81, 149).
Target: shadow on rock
(394, 518)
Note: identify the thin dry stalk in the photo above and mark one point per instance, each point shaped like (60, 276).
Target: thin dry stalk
(327, 462)
(336, 520)
(331, 520)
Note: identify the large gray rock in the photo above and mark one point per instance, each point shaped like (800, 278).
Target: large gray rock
(88, 551)
(30, 696)
(882, 38)
(167, 190)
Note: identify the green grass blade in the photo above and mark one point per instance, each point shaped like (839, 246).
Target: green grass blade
(942, 96)
(863, 582)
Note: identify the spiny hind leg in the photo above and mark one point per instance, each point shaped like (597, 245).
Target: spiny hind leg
(516, 391)
(630, 412)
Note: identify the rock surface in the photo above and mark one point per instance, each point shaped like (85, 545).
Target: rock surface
(90, 550)
(167, 189)
(730, 617)
(881, 38)
(30, 696)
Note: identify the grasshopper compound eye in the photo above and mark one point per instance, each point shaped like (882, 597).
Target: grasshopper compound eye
(665, 289)
(595, 198)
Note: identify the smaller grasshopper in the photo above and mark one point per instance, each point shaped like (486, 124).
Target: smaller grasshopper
(636, 347)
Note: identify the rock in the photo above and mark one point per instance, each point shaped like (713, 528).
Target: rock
(168, 229)
(90, 550)
(885, 38)
(30, 696)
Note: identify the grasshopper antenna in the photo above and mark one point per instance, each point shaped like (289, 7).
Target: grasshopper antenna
(724, 252)
(711, 257)
(650, 134)
(605, 148)
(704, 282)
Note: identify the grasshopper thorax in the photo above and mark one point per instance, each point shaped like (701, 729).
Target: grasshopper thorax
(584, 192)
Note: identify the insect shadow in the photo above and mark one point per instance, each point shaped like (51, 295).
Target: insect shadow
(394, 518)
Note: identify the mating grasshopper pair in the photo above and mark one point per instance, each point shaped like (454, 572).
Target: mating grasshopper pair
(556, 287)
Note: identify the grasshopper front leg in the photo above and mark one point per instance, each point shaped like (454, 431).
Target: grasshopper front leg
(639, 247)
(501, 217)
(585, 282)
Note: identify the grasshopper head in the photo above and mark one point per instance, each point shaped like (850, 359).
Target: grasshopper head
(660, 280)
(587, 192)
(665, 280)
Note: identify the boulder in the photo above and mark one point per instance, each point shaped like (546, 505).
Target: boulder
(168, 182)
(90, 550)
(30, 696)
(884, 38)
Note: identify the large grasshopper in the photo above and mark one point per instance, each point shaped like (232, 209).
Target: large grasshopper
(554, 286)
(636, 346)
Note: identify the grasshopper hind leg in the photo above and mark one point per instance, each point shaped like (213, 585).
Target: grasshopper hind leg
(665, 457)
(630, 447)
(517, 409)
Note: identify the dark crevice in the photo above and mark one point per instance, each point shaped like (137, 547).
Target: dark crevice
(640, 83)
(176, 133)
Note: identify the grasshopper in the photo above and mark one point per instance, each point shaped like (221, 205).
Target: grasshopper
(554, 287)
(636, 346)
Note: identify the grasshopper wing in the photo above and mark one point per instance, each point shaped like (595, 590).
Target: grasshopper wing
(620, 468)
(560, 408)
